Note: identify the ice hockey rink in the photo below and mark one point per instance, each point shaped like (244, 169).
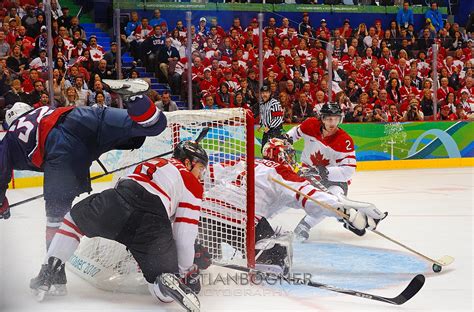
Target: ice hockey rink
(430, 210)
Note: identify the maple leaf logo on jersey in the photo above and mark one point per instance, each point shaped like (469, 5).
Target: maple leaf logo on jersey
(318, 160)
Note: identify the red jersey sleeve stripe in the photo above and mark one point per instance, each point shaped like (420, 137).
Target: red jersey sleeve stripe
(146, 115)
(140, 178)
(305, 199)
(299, 190)
(187, 220)
(72, 226)
(349, 156)
(189, 206)
(69, 234)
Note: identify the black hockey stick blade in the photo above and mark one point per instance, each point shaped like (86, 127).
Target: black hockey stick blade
(411, 290)
(203, 134)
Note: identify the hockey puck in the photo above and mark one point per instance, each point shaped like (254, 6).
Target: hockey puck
(437, 268)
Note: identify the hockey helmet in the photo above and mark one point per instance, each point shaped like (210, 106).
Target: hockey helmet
(280, 151)
(331, 109)
(18, 109)
(192, 151)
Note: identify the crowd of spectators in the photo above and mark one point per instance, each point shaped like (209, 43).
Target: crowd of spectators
(79, 62)
(380, 72)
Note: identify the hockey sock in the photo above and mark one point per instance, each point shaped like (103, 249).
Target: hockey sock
(52, 226)
(66, 241)
(143, 111)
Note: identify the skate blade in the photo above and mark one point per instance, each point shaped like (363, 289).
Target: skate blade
(175, 292)
(39, 294)
(58, 290)
(269, 268)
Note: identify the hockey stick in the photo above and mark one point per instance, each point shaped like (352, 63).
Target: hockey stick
(411, 290)
(437, 264)
(201, 136)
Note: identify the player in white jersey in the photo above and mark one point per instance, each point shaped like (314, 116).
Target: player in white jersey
(154, 212)
(272, 198)
(328, 157)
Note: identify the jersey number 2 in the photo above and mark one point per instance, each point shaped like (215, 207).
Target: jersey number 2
(348, 146)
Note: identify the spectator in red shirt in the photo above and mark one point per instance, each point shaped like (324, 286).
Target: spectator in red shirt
(393, 115)
(208, 84)
(384, 100)
(446, 114)
(460, 113)
(392, 90)
(444, 89)
(43, 101)
(407, 88)
(346, 30)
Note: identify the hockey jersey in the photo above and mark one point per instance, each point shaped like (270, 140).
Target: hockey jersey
(181, 194)
(227, 180)
(77, 135)
(335, 152)
(22, 147)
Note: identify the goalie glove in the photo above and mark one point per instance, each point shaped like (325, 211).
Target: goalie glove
(361, 215)
(202, 257)
(192, 279)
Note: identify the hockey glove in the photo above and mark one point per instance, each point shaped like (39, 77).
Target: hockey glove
(358, 221)
(192, 279)
(202, 257)
(314, 173)
(5, 209)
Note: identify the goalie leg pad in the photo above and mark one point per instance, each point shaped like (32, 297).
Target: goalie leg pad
(263, 230)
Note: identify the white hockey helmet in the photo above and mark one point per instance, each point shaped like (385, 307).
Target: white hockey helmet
(18, 109)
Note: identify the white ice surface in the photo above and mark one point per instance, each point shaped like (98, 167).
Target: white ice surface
(429, 210)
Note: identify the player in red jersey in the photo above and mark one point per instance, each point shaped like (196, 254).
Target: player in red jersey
(155, 213)
(328, 156)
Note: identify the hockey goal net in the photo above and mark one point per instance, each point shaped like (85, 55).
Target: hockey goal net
(226, 228)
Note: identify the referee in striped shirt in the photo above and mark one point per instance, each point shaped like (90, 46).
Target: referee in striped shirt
(271, 115)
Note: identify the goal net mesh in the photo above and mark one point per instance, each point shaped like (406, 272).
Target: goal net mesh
(224, 228)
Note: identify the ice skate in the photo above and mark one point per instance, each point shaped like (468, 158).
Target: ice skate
(59, 282)
(128, 88)
(171, 286)
(41, 284)
(302, 231)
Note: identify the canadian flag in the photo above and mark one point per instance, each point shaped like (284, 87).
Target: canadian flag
(96, 54)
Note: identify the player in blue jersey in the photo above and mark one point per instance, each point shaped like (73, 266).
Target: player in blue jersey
(64, 142)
